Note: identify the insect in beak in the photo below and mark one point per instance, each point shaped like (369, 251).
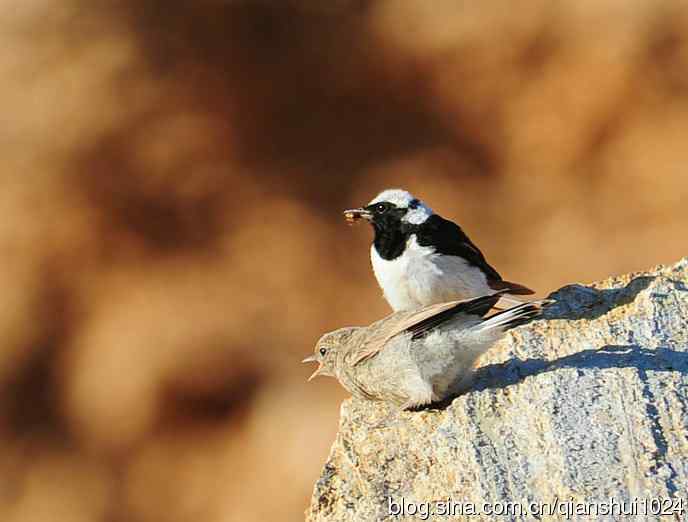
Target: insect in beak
(354, 215)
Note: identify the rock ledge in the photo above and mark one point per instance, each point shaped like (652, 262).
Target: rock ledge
(589, 403)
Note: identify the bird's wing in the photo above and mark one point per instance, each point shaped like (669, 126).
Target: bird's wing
(419, 323)
(479, 306)
(449, 238)
(512, 288)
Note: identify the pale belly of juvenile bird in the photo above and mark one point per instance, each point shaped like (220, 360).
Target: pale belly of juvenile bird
(421, 277)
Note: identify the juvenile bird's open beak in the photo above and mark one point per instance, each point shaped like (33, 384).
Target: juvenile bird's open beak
(315, 373)
(356, 214)
(310, 359)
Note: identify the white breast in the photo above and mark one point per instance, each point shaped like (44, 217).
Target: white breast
(392, 276)
(420, 277)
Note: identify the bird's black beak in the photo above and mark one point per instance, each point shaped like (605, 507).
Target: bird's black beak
(356, 214)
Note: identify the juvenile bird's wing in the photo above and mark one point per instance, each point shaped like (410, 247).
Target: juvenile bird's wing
(419, 323)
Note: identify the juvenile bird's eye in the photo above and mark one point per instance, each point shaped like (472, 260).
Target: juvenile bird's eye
(381, 208)
(323, 351)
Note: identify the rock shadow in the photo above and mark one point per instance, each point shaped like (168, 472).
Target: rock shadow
(500, 376)
(497, 376)
(578, 301)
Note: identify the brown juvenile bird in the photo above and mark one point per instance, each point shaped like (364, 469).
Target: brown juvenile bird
(414, 358)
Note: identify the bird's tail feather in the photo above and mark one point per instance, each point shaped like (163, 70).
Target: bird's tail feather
(515, 316)
(507, 301)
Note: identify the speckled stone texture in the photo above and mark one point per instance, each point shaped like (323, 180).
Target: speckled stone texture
(590, 402)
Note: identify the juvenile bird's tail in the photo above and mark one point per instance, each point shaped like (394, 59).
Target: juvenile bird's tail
(514, 316)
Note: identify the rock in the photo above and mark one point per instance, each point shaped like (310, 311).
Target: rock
(587, 404)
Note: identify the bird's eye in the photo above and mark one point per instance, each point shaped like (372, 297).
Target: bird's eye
(381, 208)
(323, 351)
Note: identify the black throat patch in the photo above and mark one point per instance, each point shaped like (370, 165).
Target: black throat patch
(391, 234)
(390, 242)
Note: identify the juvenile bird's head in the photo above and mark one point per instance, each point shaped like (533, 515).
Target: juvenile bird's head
(391, 208)
(326, 350)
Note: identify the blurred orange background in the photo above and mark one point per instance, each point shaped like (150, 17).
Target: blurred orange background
(172, 243)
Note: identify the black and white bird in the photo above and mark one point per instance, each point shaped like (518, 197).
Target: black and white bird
(420, 259)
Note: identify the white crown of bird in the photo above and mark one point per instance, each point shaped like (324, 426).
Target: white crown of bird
(417, 213)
